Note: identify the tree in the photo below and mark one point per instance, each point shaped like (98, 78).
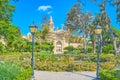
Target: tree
(85, 20)
(42, 34)
(78, 21)
(6, 10)
(93, 35)
(38, 35)
(10, 32)
(116, 33)
(106, 19)
(117, 4)
(45, 31)
(108, 27)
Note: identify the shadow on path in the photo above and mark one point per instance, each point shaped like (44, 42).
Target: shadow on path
(83, 74)
(95, 79)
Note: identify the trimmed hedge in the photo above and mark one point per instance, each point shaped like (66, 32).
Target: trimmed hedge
(63, 62)
(110, 75)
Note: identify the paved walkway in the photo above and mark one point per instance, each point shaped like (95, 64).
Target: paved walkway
(45, 75)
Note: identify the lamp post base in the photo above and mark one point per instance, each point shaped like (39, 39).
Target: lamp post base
(98, 78)
(33, 78)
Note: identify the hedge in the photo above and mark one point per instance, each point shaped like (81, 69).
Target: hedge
(110, 75)
(63, 62)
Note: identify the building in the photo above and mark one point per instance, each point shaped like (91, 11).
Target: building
(59, 38)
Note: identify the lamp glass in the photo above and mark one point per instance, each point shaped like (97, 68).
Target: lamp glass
(98, 30)
(32, 29)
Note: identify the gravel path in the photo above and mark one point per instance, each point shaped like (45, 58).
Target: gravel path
(45, 75)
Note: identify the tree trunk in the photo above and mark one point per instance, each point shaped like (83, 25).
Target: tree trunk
(114, 42)
(100, 43)
(94, 46)
(84, 35)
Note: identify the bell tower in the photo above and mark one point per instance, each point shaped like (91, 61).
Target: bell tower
(51, 24)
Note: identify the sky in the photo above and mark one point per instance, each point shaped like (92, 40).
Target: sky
(29, 11)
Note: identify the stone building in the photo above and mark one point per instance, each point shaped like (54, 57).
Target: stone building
(59, 38)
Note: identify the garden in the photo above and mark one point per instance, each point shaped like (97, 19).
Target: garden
(80, 25)
(18, 65)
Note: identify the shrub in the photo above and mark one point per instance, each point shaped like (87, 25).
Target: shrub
(108, 48)
(10, 71)
(2, 48)
(110, 75)
(71, 50)
(63, 62)
(89, 49)
(24, 75)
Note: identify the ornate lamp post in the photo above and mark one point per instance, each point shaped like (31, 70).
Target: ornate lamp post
(98, 31)
(33, 29)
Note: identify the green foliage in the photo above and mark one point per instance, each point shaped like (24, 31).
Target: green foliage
(45, 31)
(46, 46)
(62, 62)
(71, 50)
(12, 35)
(116, 32)
(2, 48)
(89, 49)
(108, 48)
(117, 4)
(110, 75)
(10, 71)
(10, 32)
(24, 75)
(6, 10)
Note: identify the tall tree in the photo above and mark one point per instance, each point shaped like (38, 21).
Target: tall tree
(45, 31)
(6, 10)
(78, 20)
(11, 32)
(72, 20)
(106, 21)
(117, 4)
(42, 34)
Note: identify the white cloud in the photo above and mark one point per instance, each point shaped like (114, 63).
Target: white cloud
(62, 25)
(44, 8)
(49, 12)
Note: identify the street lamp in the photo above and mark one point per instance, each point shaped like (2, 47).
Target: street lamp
(98, 31)
(33, 29)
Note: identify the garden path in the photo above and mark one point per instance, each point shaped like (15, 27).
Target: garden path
(45, 75)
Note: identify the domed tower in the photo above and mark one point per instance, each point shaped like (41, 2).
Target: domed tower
(51, 24)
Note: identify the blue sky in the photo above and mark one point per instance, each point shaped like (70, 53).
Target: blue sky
(28, 11)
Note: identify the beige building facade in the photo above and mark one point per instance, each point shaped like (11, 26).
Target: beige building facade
(59, 38)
